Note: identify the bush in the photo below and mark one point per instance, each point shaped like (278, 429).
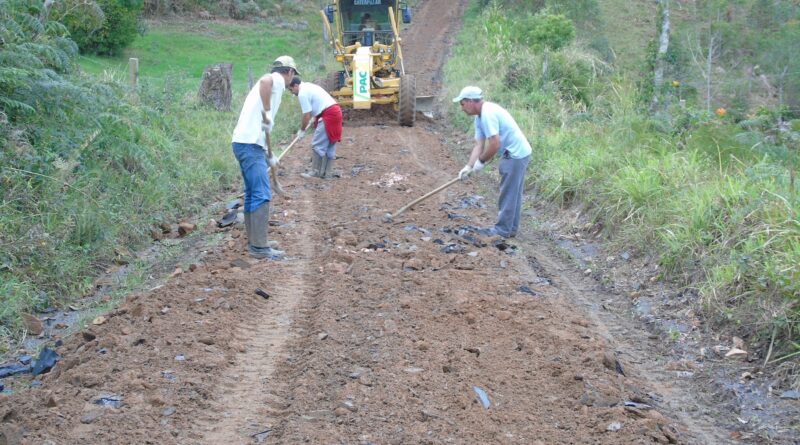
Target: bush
(574, 77)
(545, 31)
(242, 10)
(118, 28)
(81, 18)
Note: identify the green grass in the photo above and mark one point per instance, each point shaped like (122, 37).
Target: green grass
(185, 48)
(713, 198)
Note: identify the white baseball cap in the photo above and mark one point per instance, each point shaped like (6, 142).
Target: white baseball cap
(469, 93)
(286, 61)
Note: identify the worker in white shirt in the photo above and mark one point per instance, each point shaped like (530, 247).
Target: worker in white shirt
(316, 103)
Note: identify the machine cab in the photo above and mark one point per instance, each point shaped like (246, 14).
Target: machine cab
(366, 21)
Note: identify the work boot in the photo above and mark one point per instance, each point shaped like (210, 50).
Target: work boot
(323, 167)
(247, 226)
(328, 172)
(257, 235)
(247, 218)
(316, 161)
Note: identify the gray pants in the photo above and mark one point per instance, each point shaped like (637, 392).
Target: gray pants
(512, 183)
(321, 144)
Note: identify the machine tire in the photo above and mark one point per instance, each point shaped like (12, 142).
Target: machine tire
(407, 111)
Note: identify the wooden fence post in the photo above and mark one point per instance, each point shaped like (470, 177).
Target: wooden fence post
(133, 72)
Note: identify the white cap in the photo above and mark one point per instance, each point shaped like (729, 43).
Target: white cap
(285, 61)
(469, 93)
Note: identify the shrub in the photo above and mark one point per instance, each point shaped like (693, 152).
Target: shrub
(545, 31)
(117, 30)
(242, 10)
(573, 74)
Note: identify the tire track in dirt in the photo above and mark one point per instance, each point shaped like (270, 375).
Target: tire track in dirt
(249, 402)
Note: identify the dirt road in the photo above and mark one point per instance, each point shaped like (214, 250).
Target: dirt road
(419, 331)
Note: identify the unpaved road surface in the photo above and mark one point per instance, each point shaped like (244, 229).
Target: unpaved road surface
(373, 332)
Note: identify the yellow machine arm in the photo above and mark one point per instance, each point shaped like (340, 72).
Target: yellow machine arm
(397, 41)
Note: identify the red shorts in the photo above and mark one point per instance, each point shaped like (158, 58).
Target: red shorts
(332, 116)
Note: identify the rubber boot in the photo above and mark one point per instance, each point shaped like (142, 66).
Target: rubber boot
(257, 236)
(247, 227)
(247, 219)
(316, 161)
(329, 173)
(323, 167)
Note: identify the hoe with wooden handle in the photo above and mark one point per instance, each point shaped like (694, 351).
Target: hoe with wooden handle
(389, 217)
(291, 144)
(273, 170)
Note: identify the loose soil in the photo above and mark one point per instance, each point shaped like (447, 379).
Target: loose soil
(415, 331)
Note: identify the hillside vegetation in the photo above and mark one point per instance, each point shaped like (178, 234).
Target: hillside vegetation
(700, 170)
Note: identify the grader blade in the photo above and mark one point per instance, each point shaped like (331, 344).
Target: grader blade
(425, 105)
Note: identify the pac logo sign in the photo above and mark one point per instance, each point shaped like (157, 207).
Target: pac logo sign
(363, 82)
(361, 92)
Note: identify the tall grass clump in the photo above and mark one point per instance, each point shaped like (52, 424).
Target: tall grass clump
(715, 198)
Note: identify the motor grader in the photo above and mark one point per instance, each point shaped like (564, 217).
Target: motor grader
(365, 38)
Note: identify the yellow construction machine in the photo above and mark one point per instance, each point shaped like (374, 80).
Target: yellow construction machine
(365, 38)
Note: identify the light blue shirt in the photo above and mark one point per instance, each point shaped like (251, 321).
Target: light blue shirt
(495, 120)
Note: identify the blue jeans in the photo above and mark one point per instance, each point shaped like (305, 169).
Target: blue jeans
(255, 172)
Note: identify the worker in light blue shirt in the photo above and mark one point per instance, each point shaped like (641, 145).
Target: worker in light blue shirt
(497, 133)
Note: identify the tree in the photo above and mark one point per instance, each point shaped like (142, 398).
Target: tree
(705, 43)
(663, 47)
(34, 53)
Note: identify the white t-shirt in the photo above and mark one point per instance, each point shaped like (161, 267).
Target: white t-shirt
(248, 128)
(313, 98)
(495, 120)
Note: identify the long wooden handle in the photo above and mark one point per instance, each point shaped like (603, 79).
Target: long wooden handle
(296, 138)
(286, 150)
(425, 196)
(278, 187)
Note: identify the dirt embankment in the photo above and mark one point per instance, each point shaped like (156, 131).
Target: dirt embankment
(418, 331)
